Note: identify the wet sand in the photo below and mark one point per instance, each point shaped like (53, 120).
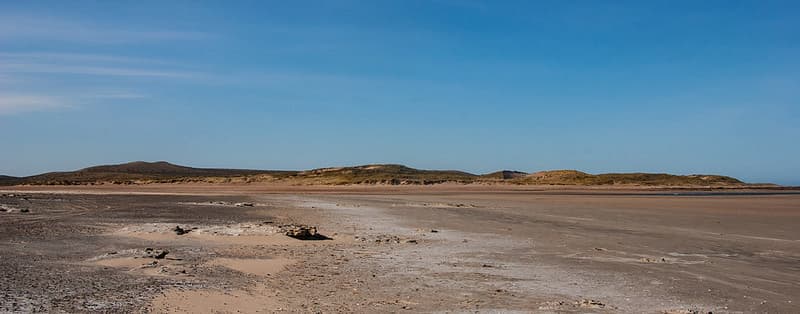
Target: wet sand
(394, 250)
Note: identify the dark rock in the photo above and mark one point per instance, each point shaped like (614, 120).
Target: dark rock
(161, 254)
(591, 304)
(303, 232)
(150, 264)
(180, 231)
(157, 254)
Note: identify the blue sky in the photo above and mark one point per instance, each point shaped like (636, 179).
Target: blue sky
(601, 86)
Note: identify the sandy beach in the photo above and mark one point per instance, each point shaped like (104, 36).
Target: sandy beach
(416, 249)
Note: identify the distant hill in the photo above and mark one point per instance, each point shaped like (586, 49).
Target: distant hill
(504, 175)
(165, 169)
(381, 174)
(140, 172)
(136, 172)
(164, 172)
(556, 177)
(7, 179)
(574, 177)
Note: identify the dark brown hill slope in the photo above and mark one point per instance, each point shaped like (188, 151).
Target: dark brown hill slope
(7, 179)
(504, 175)
(136, 171)
(165, 168)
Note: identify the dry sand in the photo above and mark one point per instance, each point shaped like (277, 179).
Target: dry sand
(211, 301)
(407, 249)
(253, 266)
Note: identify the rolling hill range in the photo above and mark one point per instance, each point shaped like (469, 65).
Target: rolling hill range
(135, 172)
(140, 172)
(381, 174)
(573, 177)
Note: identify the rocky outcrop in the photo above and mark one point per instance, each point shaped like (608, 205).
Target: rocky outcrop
(303, 232)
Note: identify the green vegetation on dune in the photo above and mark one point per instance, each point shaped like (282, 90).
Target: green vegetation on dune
(573, 177)
(381, 174)
(164, 172)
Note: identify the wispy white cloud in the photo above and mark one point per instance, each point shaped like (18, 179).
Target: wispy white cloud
(21, 27)
(16, 103)
(90, 64)
(29, 82)
(12, 102)
(91, 70)
(76, 57)
(117, 95)
(33, 81)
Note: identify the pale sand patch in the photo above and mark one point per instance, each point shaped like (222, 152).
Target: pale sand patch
(257, 300)
(123, 262)
(163, 267)
(209, 301)
(254, 266)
